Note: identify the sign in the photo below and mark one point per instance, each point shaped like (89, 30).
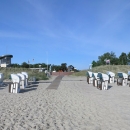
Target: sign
(3, 65)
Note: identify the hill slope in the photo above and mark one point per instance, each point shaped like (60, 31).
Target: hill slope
(105, 68)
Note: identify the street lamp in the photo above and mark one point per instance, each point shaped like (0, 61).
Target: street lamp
(47, 61)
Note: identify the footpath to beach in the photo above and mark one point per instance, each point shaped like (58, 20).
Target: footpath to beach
(74, 105)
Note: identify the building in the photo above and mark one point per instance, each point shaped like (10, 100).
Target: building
(5, 60)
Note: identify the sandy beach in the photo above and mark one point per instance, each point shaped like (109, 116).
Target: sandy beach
(75, 105)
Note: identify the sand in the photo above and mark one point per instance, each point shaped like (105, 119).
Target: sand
(75, 105)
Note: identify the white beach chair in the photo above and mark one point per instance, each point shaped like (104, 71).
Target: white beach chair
(128, 75)
(103, 82)
(23, 80)
(26, 81)
(111, 76)
(1, 78)
(95, 79)
(123, 79)
(89, 77)
(129, 78)
(15, 86)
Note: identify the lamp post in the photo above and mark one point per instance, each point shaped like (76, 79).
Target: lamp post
(47, 61)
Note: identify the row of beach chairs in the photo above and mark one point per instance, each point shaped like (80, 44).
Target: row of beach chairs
(19, 81)
(101, 80)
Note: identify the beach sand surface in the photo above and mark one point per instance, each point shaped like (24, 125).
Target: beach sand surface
(75, 105)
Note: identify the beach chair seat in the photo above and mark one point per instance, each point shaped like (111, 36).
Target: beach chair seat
(102, 85)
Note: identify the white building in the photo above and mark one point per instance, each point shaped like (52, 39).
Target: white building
(5, 60)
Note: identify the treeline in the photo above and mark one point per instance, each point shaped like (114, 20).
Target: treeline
(123, 59)
(62, 67)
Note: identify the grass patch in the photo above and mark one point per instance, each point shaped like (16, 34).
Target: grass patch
(105, 68)
(31, 73)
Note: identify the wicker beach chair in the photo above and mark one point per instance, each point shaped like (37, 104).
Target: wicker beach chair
(23, 80)
(103, 82)
(89, 77)
(95, 79)
(122, 79)
(26, 81)
(15, 86)
(111, 77)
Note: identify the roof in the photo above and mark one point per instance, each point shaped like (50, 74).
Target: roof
(3, 56)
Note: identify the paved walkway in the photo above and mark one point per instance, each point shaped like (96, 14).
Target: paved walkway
(55, 83)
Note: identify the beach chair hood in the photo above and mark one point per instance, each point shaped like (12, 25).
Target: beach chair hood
(25, 73)
(15, 78)
(95, 75)
(105, 77)
(89, 74)
(122, 75)
(22, 76)
(111, 74)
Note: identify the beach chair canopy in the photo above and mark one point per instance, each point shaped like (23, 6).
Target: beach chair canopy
(25, 73)
(122, 75)
(95, 75)
(105, 77)
(89, 74)
(23, 77)
(15, 78)
(111, 74)
(102, 76)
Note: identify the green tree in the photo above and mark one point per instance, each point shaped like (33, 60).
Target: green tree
(15, 65)
(94, 63)
(123, 59)
(56, 67)
(128, 57)
(111, 56)
(25, 65)
(63, 67)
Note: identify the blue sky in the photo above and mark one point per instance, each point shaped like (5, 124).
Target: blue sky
(75, 32)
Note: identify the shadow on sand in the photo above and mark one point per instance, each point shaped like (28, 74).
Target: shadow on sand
(109, 87)
(31, 87)
(37, 82)
(27, 90)
(3, 85)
